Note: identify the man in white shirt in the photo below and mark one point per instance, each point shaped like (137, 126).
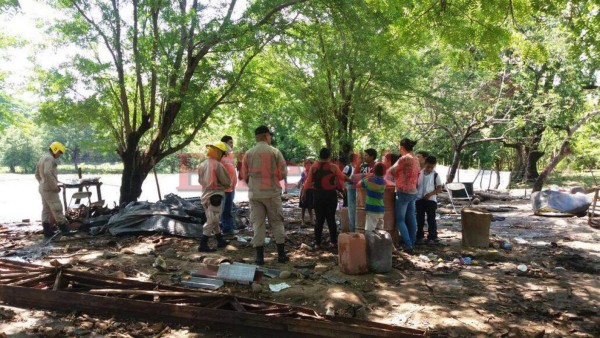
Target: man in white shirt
(429, 185)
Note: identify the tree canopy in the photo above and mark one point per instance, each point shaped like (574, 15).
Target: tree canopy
(507, 80)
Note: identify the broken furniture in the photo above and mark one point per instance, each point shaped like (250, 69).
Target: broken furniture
(81, 184)
(457, 191)
(60, 287)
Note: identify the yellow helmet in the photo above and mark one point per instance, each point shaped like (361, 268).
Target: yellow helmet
(55, 147)
(222, 146)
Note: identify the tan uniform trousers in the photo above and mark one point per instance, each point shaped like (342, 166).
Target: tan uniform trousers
(271, 208)
(213, 216)
(52, 208)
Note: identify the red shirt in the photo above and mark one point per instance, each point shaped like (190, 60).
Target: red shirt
(406, 173)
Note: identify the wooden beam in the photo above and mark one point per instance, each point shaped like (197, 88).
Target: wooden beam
(256, 323)
(151, 293)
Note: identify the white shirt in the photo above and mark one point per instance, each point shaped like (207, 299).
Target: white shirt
(425, 184)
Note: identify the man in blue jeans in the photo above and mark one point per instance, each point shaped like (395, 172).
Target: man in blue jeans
(228, 162)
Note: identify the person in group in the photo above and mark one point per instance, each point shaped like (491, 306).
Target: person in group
(325, 177)
(306, 203)
(47, 176)
(228, 162)
(429, 185)
(405, 172)
(421, 156)
(375, 188)
(350, 189)
(366, 167)
(358, 174)
(263, 168)
(215, 179)
(389, 162)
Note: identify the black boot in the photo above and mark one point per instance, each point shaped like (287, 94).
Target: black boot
(64, 229)
(282, 258)
(221, 242)
(260, 255)
(204, 245)
(48, 231)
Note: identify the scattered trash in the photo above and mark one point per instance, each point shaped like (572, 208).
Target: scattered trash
(203, 283)
(560, 270)
(424, 258)
(278, 287)
(330, 312)
(243, 239)
(330, 277)
(498, 218)
(304, 265)
(256, 288)
(237, 273)
(285, 274)
(465, 260)
(520, 240)
(271, 273)
(305, 247)
(160, 263)
(507, 246)
(522, 267)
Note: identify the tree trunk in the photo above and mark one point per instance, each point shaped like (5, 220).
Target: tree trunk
(135, 171)
(541, 179)
(75, 157)
(497, 168)
(454, 165)
(12, 169)
(565, 149)
(531, 173)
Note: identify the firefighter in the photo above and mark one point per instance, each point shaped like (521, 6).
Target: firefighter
(214, 179)
(46, 175)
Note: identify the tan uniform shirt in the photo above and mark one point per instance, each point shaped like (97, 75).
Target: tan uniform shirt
(46, 173)
(213, 177)
(263, 168)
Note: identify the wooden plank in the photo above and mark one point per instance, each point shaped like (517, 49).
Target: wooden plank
(58, 281)
(40, 278)
(272, 310)
(270, 326)
(150, 293)
(22, 266)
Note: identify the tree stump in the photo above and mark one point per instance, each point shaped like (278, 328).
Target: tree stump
(475, 227)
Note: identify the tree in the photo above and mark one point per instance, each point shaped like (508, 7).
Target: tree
(564, 150)
(469, 107)
(170, 66)
(22, 148)
(553, 69)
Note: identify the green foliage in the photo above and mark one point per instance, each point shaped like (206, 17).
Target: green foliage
(22, 148)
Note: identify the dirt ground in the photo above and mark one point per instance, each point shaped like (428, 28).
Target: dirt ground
(557, 296)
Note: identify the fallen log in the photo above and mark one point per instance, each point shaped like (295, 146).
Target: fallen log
(485, 196)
